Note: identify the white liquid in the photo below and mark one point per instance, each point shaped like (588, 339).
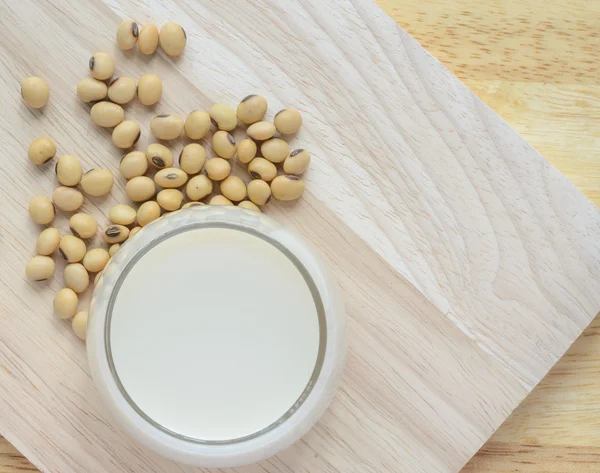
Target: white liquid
(214, 334)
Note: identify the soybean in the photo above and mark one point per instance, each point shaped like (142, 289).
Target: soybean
(246, 151)
(102, 66)
(172, 39)
(115, 234)
(259, 192)
(35, 92)
(224, 144)
(122, 214)
(79, 324)
(126, 134)
(297, 162)
(127, 35)
(72, 249)
(192, 204)
(107, 114)
(40, 268)
(133, 231)
(246, 204)
(97, 182)
(47, 242)
(83, 225)
(260, 168)
(159, 156)
(275, 150)
(76, 277)
(68, 170)
(97, 278)
(41, 150)
(261, 131)
(67, 199)
(133, 164)
(233, 188)
(166, 127)
(288, 121)
(140, 189)
(41, 210)
(198, 187)
(170, 199)
(95, 260)
(192, 158)
(197, 125)
(148, 212)
(252, 109)
(122, 90)
(148, 39)
(223, 117)
(112, 251)
(65, 303)
(287, 187)
(149, 89)
(217, 169)
(91, 90)
(170, 178)
(220, 200)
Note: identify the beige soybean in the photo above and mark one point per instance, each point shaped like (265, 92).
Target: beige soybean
(159, 156)
(261, 131)
(252, 109)
(127, 34)
(148, 212)
(170, 199)
(217, 169)
(192, 204)
(148, 39)
(288, 121)
(95, 260)
(133, 164)
(122, 214)
(246, 204)
(76, 277)
(140, 188)
(223, 117)
(233, 188)
(170, 178)
(246, 151)
(83, 225)
(287, 187)
(275, 150)
(126, 134)
(259, 192)
(197, 125)
(41, 150)
(79, 324)
(113, 250)
(149, 89)
(166, 127)
(198, 187)
(65, 303)
(107, 114)
(47, 242)
(99, 274)
(133, 231)
(41, 210)
(101, 66)
(297, 162)
(35, 92)
(115, 234)
(172, 39)
(220, 200)
(97, 182)
(71, 248)
(260, 168)
(122, 90)
(68, 170)
(91, 90)
(224, 144)
(192, 158)
(40, 268)
(67, 199)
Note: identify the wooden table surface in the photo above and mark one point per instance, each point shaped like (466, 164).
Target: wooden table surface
(536, 64)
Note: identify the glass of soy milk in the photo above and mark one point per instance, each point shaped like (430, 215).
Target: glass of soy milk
(216, 336)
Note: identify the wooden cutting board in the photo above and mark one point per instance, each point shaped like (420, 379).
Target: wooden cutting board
(468, 263)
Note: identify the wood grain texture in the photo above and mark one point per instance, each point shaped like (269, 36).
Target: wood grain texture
(445, 224)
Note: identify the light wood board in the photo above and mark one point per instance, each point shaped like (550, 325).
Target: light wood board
(474, 263)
